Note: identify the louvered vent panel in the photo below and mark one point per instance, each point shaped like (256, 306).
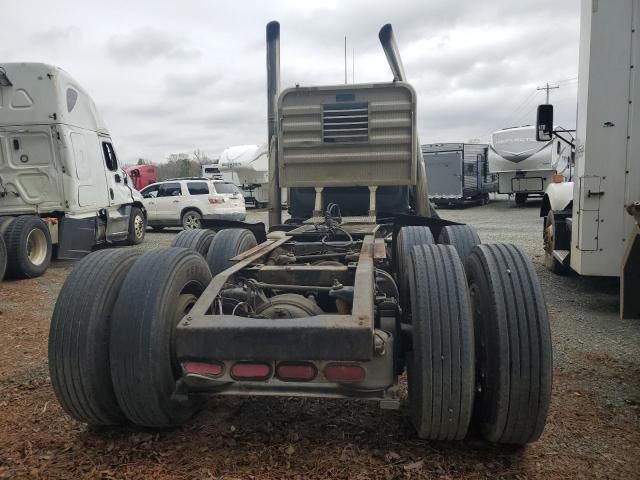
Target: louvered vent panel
(345, 122)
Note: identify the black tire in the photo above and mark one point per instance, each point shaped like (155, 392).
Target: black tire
(197, 240)
(226, 245)
(79, 362)
(434, 211)
(550, 233)
(462, 237)
(521, 199)
(28, 247)
(408, 237)
(3, 258)
(137, 226)
(143, 367)
(191, 219)
(513, 345)
(441, 364)
(4, 224)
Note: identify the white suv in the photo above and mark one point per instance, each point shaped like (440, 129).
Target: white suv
(186, 202)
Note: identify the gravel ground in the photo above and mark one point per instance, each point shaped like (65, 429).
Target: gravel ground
(593, 430)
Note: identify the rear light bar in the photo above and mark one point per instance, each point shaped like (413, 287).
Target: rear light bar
(210, 369)
(344, 372)
(215, 201)
(251, 371)
(296, 372)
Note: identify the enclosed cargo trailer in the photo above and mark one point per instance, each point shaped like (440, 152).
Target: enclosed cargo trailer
(458, 173)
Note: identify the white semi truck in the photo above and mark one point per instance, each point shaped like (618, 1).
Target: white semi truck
(589, 221)
(525, 165)
(62, 188)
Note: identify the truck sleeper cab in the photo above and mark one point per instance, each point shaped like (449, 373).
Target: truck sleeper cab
(58, 164)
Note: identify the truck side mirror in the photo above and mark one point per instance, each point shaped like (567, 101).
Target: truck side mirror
(544, 123)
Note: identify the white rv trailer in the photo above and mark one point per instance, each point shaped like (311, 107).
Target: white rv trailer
(248, 167)
(61, 183)
(212, 171)
(525, 166)
(588, 226)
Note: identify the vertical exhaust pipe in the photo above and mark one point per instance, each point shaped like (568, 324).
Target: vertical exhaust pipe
(273, 89)
(390, 47)
(391, 51)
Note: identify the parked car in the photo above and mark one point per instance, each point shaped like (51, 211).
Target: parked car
(185, 202)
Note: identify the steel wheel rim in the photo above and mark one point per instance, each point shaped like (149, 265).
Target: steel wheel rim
(481, 347)
(37, 247)
(191, 221)
(184, 304)
(138, 226)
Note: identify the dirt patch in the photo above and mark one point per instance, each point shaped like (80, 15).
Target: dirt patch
(593, 430)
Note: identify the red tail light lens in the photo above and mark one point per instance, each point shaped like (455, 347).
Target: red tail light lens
(251, 371)
(214, 201)
(211, 369)
(296, 372)
(343, 373)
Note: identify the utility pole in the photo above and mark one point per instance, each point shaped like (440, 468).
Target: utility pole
(548, 87)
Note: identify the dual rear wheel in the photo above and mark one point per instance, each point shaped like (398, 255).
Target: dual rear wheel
(481, 346)
(28, 246)
(111, 340)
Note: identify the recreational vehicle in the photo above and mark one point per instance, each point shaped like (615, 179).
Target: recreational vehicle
(525, 166)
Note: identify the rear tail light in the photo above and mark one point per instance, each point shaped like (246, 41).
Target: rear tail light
(211, 369)
(296, 372)
(215, 201)
(343, 372)
(251, 371)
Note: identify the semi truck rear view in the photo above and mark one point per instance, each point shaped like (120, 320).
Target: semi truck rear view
(362, 284)
(62, 189)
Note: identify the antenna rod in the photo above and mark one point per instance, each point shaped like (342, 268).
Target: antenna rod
(353, 65)
(345, 59)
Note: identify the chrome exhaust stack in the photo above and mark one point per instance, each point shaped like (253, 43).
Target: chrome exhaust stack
(273, 90)
(390, 47)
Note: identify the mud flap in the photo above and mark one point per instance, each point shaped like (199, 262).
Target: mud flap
(77, 237)
(630, 278)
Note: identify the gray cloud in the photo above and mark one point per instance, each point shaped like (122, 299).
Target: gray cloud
(192, 75)
(146, 44)
(52, 36)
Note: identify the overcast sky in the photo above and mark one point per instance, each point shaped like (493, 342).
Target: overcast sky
(171, 77)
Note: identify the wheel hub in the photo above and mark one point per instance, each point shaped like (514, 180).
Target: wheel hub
(191, 221)
(37, 247)
(138, 225)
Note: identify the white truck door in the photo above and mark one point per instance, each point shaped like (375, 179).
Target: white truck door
(119, 191)
(30, 170)
(89, 187)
